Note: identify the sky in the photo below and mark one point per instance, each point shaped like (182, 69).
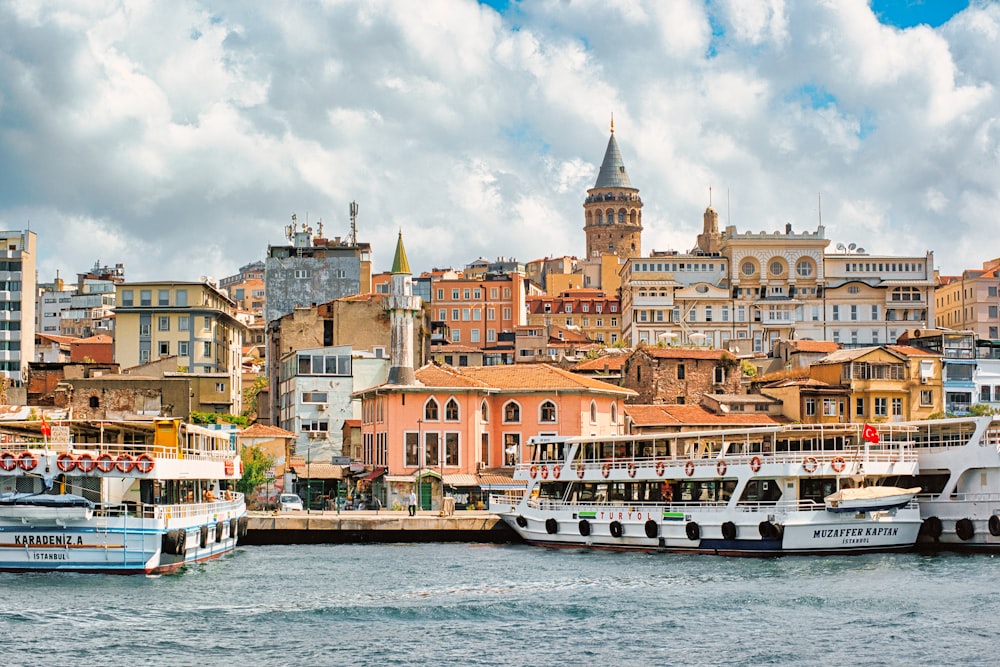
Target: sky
(179, 137)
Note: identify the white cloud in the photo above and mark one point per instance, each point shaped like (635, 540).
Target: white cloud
(179, 138)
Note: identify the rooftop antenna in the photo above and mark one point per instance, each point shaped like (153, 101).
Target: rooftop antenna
(710, 196)
(319, 228)
(290, 229)
(819, 207)
(729, 211)
(354, 223)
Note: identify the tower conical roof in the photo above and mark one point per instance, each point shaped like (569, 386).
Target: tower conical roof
(399, 263)
(612, 174)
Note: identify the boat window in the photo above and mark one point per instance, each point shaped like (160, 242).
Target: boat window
(761, 491)
(817, 488)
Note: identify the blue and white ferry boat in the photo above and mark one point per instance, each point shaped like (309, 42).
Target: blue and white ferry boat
(121, 497)
(746, 491)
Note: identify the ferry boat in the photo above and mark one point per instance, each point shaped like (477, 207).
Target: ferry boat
(121, 497)
(749, 492)
(959, 472)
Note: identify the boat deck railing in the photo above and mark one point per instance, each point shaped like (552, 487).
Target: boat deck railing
(115, 449)
(161, 512)
(892, 453)
(779, 506)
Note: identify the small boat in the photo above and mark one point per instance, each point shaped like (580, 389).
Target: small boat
(739, 492)
(117, 496)
(870, 498)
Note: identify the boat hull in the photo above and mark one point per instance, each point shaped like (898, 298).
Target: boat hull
(133, 546)
(720, 532)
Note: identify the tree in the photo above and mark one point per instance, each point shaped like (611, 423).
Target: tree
(250, 396)
(256, 463)
(980, 409)
(219, 418)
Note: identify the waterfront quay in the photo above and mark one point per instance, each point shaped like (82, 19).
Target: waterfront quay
(383, 526)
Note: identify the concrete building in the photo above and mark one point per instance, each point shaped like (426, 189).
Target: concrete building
(17, 303)
(970, 302)
(481, 313)
(591, 311)
(315, 399)
(313, 270)
(192, 321)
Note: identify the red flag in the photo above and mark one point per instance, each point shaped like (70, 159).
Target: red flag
(870, 433)
(45, 429)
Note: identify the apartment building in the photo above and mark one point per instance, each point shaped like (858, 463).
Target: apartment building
(481, 313)
(590, 311)
(17, 303)
(970, 302)
(192, 321)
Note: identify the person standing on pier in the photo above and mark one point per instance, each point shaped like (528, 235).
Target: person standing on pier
(413, 503)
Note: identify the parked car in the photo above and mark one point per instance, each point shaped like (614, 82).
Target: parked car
(289, 502)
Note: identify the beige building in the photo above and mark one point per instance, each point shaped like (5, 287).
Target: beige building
(969, 302)
(192, 321)
(596, 315)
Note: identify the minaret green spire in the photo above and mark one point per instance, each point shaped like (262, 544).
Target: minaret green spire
(399, 262)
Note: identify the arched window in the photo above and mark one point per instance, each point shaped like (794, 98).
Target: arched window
(484, 411)
(593, 412)
(547, 413)
(451, 410)
(431, 410)
(614, 413)
(511, 413)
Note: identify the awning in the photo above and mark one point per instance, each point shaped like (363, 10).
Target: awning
(318, 471)
(461, 480)
(368, 476)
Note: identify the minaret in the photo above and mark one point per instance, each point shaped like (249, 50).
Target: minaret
(613, 209)
(402, 307)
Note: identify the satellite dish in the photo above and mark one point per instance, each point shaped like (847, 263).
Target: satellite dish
(852, 246)
(861, 249)
(841, 247)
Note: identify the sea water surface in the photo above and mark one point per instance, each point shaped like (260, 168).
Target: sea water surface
(465, 604)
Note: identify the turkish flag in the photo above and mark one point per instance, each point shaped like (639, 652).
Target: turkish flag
(870, 433)
(45, 428)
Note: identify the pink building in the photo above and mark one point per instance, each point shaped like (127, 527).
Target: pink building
(456, 423)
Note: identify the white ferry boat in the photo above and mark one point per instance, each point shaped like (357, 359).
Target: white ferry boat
(959, 472)
(117, 497)
(757, 491)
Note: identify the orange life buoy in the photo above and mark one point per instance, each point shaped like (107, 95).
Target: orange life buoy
(8, 461)
(661, 467)
(65, 462)
(124, 463)
(605, 470)
(27, 461)
(631, 469)
(144, 463)
(838, 464)
(755, 463)
(810, 464)
(85, 462)
(105, 463)
(533, 471)
(556, 471)
(720, 467)
(689, 468)
(545, 472)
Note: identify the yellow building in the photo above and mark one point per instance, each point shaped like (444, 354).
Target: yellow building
(885, 383)
(192, 321)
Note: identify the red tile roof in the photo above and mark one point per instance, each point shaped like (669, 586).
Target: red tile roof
(614, 362)
(814, 345)
(265, 431)
(520, 377)
(682, 352)
(695, 415)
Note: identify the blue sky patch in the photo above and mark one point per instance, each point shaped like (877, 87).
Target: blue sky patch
(908, 13)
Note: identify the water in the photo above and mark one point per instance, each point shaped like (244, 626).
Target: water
(459, 604)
